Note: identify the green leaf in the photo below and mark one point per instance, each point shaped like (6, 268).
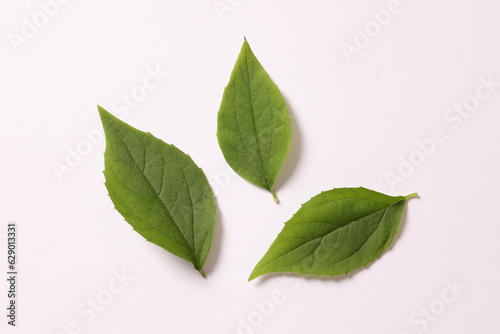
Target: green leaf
(334, 233)
(253, 125)
(159, 190)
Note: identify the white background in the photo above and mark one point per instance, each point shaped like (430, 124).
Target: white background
(354, 119)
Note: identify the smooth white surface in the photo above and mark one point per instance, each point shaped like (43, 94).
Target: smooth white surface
(352, 122)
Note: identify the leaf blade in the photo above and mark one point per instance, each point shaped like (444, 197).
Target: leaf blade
(253, 123)
(159, 191)
(334, 233)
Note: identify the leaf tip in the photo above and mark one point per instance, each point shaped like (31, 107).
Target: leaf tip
(104, 114)
(246, 45)
(411, 195)
(101, 110)
(252, 277)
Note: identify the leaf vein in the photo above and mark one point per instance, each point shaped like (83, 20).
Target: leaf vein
(158, 197)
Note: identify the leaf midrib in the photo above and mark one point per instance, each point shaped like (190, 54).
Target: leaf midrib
(254, 127)
(344, 226)
(192, 209)
(163, 204)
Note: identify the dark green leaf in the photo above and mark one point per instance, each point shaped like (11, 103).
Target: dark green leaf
(159, 190)
(334, 233)
(254, 127)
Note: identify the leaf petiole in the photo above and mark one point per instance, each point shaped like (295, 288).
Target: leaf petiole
(275, 197)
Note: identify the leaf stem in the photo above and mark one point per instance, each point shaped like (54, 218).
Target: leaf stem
(411, 195)
(276, 199)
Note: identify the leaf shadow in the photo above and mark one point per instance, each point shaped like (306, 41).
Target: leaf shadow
(339, 278)
(293, 154)
(215, 248)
